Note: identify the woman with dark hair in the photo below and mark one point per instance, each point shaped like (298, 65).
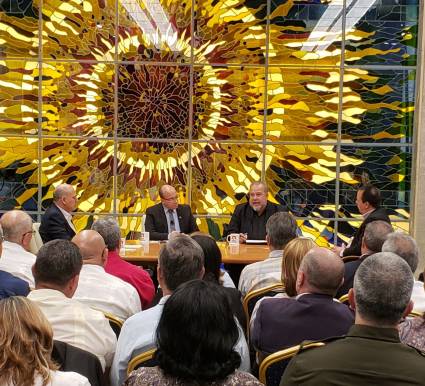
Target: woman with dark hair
(195, 337)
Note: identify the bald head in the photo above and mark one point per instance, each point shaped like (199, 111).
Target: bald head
(17, 227)
(65, 197)
(321, 271)
(92, 247)
(169, 197)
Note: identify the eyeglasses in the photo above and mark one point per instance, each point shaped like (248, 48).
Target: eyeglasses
(175, 198)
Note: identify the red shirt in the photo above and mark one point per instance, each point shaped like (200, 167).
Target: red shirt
(132, 274)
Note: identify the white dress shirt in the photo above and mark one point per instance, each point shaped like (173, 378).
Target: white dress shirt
(138, 335)
(77, 324)
(17, 261)
(104, 292)
(68, 217)
(418, 296)
(61, 378)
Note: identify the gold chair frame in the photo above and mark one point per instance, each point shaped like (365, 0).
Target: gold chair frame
(140, 358)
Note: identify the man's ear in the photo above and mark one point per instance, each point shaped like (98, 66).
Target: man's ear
(409, 308)
(300, 280)
(351, 299)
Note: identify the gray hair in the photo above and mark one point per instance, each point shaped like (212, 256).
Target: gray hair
(375, 234)
(281, 228)
(110, 231)
(62, 190)
(15, 223)
(405, 246)
(383, 287)
(260, 183)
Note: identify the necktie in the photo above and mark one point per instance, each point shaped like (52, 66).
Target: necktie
(171, 218)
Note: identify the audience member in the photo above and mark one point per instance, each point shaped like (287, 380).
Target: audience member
(249, 219)
(56, 273)
(281, 228)
(98, 289)
(16, 258)
(56, 223)
(371, 353)
(26, 341)
(180, 260)
(168, 216)
(375, 234)
(312, 315)
(136, 276)
(196, 336)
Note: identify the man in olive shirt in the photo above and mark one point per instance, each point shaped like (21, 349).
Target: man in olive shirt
(371, 353)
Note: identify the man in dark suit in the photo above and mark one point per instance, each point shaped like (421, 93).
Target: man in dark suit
(279, 322)
(168, 216)
(368, 201)
(56, 222)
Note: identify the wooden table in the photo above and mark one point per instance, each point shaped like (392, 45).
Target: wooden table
(242, 254)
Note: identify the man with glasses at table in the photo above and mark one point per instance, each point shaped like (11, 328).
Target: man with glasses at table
(168, 216)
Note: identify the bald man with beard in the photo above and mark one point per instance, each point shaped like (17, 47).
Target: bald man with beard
(98, 289)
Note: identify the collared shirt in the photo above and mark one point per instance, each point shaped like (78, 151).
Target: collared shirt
(364, 215)
(104, 292)
(75, 323)
(17, 261)
(175, 217)
(68, 217)
(262, 273)
(138, 335)
(132, 274)
(12, 286)
(418, 296)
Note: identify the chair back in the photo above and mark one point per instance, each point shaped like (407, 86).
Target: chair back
(144, 359)
(115, 323)
(344, 299)
(414, 314)
(273, 366)
(36, 241)
(347, 259)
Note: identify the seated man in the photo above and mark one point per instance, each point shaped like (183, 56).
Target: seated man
(169, 216)
(56, 273)
(136, 276)
(16, 257)
(180, 260)
(56, 223)
(371, 353)
(249, 219)
(374, 236)
(281, 228)
(314, 314)
(98, 289)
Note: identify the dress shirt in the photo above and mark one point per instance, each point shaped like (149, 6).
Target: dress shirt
(175, 217)
(17, 261)
(262, 273)
(227, 280)
(132, 274)
(138, 335)
(75, 323)
(62, 378)
(12, 286)
(104, 292)
(68, 218)
(418, 296)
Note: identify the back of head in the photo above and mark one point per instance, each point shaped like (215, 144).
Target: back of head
(181, 259)
(110, 231)
(281, 228)
(324, 271)
(293, 254)
(382, 287)
(372, 195)
(212, 256)
(26, 341)
(15, 224)
(58, 261)
(91, 246)
(202, 350)
(404, 246)
(375, 234)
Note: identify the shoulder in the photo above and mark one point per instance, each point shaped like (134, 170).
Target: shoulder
(378, 214)
(241, 207)
(241, 378)
(60, 378)
(153, 208)
(275, 207)
(144, 375)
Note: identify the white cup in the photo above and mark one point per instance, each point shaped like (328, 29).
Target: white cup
(234, 249)
(233, 238)
(123, 244)
(144, 237)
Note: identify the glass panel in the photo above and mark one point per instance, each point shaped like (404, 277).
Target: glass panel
(387, 168)
(213, 225)
(230, 32)
(302, 104)
(382, 32)
(154, 30)
(153, 101)
(85, 164)
(222, 174)
(79, 29)
(322, 232)
(78, 99)
(18, 173)
(131, 226)
(378, 105)
(18, 97)
(305, 33)
(143, 167)
(228, 102)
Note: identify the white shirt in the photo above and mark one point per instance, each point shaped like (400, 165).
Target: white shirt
(68, 217)
(104, 292)
(75, 323)
(227, 280)
(17, 261)
(418, 296)
(61, 378)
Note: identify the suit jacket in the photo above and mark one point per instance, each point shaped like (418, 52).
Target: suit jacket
(350, 269)
(156, 222)
(284, 322)
(355, 247)
(54, 225)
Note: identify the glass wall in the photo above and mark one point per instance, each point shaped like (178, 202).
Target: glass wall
(120, 96)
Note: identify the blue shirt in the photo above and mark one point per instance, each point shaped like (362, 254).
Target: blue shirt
(12, 286)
